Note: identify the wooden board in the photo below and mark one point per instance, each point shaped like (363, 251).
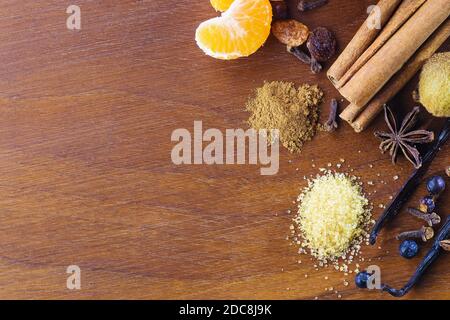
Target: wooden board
(86, 176)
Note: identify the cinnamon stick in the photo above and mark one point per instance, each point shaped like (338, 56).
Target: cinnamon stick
(362, 40)
(396, 52)
(352, 111)
(406, 9)
(401, 79)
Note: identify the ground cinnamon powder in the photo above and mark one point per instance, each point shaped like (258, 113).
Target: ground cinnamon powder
(293, 111)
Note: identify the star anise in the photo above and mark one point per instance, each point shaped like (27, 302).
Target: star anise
(403, 139)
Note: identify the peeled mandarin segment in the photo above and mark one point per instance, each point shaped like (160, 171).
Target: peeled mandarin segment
(221, 5)
(238, 32)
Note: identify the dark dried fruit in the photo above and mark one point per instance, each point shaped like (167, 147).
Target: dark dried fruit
(279, 10)
(290, 32)
(305, 5)
(322, 44)
(436, 185)
(409, 249)
(361, 279)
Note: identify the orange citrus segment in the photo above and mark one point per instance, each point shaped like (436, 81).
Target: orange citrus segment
(238, 32)
(221, 5)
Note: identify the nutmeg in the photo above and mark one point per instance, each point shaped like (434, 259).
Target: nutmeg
(290, 32)
(434, 85)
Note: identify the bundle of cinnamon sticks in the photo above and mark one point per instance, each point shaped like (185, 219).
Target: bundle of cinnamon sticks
(380, 60)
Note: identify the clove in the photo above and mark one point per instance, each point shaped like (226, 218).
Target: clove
(305, 5)
(430, 218)
(279, 9)
(424, 233)
(316, 67)
(299, 54)
(445, 244)
(331, 123)
(430, 257)
(413, 181)
(447, 171)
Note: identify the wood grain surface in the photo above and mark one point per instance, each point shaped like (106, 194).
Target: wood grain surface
(86, 176)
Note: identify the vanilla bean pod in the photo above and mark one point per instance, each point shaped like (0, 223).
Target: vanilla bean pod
(430, 257)
(411, 184)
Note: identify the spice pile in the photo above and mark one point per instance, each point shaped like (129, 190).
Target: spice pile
(333, 219)
(293, 111)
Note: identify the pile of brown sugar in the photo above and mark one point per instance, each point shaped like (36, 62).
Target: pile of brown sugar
(293, 111)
